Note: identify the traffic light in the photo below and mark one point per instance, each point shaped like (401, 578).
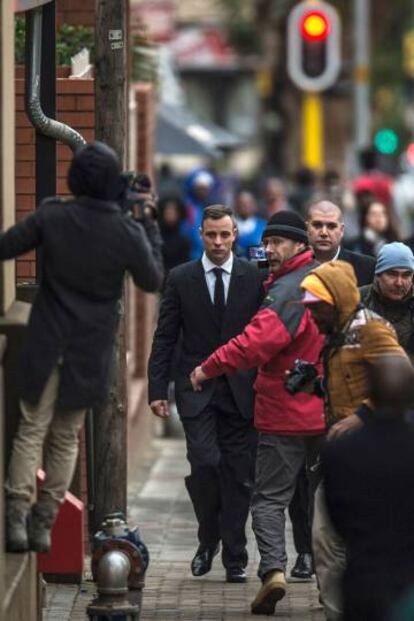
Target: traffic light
(313, 54)
(386, 141)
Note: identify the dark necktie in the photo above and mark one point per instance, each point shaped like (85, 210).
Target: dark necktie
(219, 301)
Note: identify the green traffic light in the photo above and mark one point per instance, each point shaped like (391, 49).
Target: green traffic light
(386, 141)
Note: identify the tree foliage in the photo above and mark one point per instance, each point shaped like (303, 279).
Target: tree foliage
(69, 41)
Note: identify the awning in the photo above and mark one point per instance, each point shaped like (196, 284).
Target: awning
(180, 132)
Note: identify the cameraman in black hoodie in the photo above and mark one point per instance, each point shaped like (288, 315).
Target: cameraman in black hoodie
(88, 244)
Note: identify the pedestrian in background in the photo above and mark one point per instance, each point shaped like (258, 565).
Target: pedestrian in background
(249, 226)
(391, 294)
(274, 197)
(176, 246)
(199, 189)
(304, 189)
(326, 230)
(376, 228)
(209, 301)
(88, 244)
(290, 426)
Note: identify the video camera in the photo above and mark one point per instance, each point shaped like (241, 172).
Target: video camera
(131, 199)
(302, 373)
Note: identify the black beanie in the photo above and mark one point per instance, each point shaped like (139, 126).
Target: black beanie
(287, 224)
(95, 171)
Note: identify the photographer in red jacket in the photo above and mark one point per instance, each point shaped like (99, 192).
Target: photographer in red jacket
(290, 424)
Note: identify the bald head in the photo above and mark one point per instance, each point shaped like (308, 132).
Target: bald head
(324, 206)
(325, 226)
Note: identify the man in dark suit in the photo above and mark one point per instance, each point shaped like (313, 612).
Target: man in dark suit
(325, 225)
(209, 301)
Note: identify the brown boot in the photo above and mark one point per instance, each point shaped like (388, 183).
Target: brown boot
(17, 511)
(272, 590)
(40, 525)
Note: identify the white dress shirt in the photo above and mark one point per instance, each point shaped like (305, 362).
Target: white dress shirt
(209, 266)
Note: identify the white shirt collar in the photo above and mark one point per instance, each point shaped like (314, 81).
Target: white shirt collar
(209, 265)
(337, 254)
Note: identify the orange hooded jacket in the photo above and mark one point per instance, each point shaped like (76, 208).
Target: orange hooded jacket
(361, 338)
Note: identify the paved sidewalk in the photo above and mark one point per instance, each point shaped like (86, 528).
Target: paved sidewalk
(162, 510)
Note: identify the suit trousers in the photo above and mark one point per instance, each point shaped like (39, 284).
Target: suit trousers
(299, 513)
(60, 430)
(279, 461)
(221, 451)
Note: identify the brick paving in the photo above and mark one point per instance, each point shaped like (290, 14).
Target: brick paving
(162, 510)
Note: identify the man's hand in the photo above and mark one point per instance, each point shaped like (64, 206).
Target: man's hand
(147, 206)
(197, 377)
(160, 408)
(350, 423)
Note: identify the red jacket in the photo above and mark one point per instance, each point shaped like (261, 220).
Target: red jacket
(280, 332)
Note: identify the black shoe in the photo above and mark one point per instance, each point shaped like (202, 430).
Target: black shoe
(236, 574)
(303, 568)
(201, 563)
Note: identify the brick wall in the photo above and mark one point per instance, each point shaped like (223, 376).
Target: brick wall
(76, 12)
(75, 106)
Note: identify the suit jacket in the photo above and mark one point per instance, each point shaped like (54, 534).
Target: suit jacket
(186, 309)
(87, 247)
(363, 265)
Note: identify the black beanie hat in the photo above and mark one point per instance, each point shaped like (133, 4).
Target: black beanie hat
(95, 171)
(287, 224)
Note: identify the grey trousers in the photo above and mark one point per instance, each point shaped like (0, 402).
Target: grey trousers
(45, 429)
(329, 556)
(278, 462)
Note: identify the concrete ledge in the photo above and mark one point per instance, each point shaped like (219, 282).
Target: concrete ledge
(20, 602)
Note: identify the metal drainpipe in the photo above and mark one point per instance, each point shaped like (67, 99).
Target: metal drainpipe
(45, 125)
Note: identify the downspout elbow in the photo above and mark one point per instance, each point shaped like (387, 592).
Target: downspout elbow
(45, 125)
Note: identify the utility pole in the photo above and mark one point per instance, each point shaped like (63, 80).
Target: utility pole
(362, 108)
(111, 101)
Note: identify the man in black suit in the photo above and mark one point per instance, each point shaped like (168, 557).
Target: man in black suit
(209, 301)
(325, 225)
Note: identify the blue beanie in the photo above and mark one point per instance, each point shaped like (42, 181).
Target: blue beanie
(395, 255)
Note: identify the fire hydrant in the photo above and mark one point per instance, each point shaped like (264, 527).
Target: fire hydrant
(119, 562)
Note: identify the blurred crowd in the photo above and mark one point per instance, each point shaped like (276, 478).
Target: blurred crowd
(377, 207)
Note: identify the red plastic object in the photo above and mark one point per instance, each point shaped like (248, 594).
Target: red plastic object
(66, 555)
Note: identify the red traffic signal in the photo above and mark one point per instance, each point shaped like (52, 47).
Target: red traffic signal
(315, 26)
(313, 53)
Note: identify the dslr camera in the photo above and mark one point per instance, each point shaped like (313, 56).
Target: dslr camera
(301, 373)
(131, 198)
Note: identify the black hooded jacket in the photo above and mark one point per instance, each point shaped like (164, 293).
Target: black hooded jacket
(88, 244)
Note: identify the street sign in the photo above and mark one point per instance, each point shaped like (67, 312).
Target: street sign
(313, 54)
